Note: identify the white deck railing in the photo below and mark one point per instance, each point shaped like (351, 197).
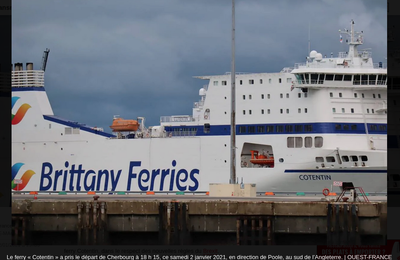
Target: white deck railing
(27, 78)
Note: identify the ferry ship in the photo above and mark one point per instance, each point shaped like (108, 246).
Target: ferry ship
(303, 129)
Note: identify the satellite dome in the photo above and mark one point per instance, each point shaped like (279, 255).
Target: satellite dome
(202, 92)
(313, 53)
(318, 57)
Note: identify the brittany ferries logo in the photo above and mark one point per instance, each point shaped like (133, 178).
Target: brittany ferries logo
(15, 119)
(24, 179)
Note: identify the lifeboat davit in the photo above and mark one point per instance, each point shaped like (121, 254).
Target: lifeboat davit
(123, 125)
(261, 159)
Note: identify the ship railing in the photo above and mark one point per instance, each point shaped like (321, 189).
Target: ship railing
(369, 82)
(164, 119)
(184, 133)
(27, 78)
(237, 73)
(342, 55)
(299, 65)
(380, 65)
(287, 69)
(198, 104)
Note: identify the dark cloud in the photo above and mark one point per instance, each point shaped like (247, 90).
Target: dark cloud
(137, 58)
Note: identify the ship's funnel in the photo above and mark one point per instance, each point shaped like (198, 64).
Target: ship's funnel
(29, 66)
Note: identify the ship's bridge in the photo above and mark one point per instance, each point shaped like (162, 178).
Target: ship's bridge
(353, 69)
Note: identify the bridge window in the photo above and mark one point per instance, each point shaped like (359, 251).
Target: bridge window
(329, 77)
(363, 158)
(314, 78)
(319, 159)
(364, 79)
(308, 142)
(357, 80)
(347, 78)
(372, 79)
(319, 141)
(338, 77)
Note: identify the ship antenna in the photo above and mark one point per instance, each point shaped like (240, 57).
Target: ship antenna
(44, 58)
(356, 38)
(309, 42)
(233, 103)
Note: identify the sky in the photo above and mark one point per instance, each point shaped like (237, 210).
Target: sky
(137, 58)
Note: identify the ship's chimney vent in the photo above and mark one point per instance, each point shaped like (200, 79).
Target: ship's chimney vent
(29, 66)
(18, 66)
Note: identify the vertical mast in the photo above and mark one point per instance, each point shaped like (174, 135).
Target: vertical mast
(232, 179)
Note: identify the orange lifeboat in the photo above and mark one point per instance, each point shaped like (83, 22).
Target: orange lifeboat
(121, 125)
(261, 159)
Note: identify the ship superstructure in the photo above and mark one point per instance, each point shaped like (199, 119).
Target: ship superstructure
(298, 130)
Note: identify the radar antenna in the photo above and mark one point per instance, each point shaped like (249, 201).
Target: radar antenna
(44, 59)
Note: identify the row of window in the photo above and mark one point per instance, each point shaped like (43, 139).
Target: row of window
(281, 111)
(269, 96)
(345, 158)
(355, 95)
(251, 81)
(356, 79)
(275, 128)
(352, 110)
(297, 142)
